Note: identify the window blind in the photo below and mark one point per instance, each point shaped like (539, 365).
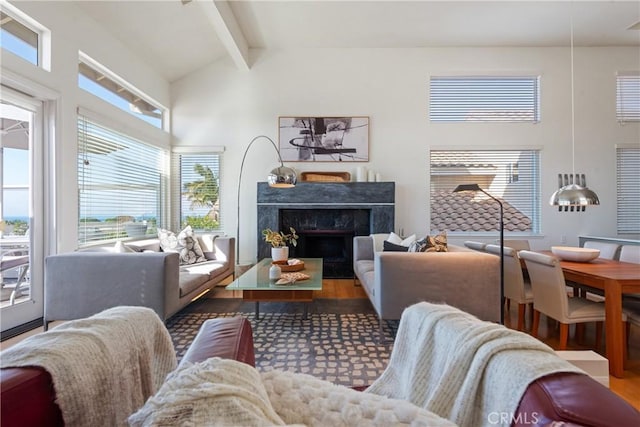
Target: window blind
(628, 97)
(120, 184)
(628, 186)
(484, 99)
(512, 176)
(196, 189)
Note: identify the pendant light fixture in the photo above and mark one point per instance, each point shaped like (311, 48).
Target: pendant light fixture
(573, 191)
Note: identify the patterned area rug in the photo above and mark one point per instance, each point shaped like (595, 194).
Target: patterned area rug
(332, 344)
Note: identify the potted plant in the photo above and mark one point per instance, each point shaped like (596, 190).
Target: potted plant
(280, 242)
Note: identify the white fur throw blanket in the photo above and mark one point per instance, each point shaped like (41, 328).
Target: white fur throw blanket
(471, 372)
(103, 367)
(222, 392)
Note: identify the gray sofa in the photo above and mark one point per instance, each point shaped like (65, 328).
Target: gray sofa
(80, 284)
(463, 278)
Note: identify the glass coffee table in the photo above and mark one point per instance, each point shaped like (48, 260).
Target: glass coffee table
(256, 285)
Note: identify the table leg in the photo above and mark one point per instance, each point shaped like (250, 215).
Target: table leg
(613, 327)
(257, 310)
(306, 311)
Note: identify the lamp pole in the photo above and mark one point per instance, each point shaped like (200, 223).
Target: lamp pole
(476, 187)
(280, 177)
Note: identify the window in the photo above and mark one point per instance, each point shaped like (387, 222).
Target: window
(96, 79)
(121, 182)
(484, 99)
(628, 97)
(197, 189)
(628, 183)
(23, 36)
(493, 170)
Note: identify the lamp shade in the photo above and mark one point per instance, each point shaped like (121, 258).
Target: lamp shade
(282, 177)
(574, 195)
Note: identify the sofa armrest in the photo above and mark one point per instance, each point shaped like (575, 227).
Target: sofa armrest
(568, 399)
(225, 248)
(362, 248)
(80, 284)
(225, 337)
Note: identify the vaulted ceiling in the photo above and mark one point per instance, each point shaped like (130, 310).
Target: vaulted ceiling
(178, 37)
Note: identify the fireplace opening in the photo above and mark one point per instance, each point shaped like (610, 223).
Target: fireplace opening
(327, 234)
(335, 247)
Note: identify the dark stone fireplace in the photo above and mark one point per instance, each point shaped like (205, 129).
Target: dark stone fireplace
(326, 216)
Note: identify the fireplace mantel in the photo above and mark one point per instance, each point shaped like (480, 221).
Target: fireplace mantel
(378, 198)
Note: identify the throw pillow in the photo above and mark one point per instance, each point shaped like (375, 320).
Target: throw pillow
(419, 245)
(437, 243)
(397, 240)
(185, 243)
(392, 247)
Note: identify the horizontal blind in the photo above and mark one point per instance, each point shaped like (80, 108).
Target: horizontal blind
(484, 99)
(628, 186)
(120, 184)
(512, 176)
(628, 97)
(196, 189)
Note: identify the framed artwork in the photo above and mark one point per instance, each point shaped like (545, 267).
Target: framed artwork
(324, 139)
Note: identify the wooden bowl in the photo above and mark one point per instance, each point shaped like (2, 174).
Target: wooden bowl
(285, 267)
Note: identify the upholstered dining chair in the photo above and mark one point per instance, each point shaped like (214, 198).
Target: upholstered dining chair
(550, 298)
(607, 250)
(518, 245)
(516, 289)
(476, 246)
(630, 253)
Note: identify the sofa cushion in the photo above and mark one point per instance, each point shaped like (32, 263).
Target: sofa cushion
(397, 240)
(189, 282)
(207, 267)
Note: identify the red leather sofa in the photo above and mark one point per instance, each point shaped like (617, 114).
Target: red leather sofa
(27, 397)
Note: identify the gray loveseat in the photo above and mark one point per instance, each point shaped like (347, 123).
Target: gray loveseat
(466, 279)
(80, 284)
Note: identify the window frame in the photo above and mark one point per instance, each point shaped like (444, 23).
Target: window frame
(43, 43)
(92, 72)
(628, 194)
(140, 147)
(628, 92)
(455, 172)
(443, 105)
(176, 184)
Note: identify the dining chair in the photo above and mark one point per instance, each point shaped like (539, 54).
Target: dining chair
(550, 298)
(476, 246)
(516, 288)
(607, 250)
(630, 253)
(518, 245)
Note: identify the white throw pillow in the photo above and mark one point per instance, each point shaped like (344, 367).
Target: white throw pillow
(397, 240)
(185, 243)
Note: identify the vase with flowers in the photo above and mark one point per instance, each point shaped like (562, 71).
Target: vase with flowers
(280, 242)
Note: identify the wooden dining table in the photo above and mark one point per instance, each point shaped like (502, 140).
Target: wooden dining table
(615, 278)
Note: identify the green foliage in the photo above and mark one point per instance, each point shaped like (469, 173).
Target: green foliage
(201, 223)
(205, 192)
(280, 239)
(19, 227)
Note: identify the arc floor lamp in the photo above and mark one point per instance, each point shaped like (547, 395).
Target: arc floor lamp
(476, 187)
(279, 177)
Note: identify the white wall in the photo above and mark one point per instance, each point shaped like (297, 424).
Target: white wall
(219, 105)
(72, 30)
